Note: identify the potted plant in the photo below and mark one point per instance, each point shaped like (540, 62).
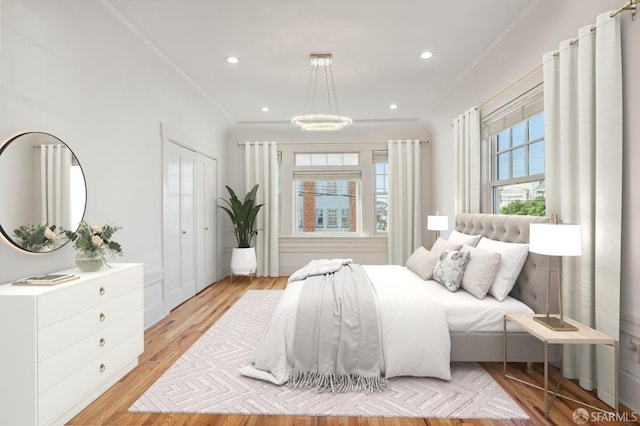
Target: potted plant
(243, 216)
(93, 244)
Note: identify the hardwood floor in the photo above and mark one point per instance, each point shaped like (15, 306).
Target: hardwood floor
(173, 335)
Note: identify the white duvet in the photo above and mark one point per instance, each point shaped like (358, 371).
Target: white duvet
(465, 312)
(415, 336)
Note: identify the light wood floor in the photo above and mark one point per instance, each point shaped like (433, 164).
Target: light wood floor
(173, 335)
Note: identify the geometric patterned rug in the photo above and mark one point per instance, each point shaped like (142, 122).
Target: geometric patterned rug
(205, 380)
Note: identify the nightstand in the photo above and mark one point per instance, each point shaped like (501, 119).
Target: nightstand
(583, 336)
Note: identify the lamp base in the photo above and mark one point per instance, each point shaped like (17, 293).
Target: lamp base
(554, 323)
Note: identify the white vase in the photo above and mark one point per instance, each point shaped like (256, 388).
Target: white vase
(243, 261)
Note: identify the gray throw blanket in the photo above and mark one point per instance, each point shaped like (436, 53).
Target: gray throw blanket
(337, 342)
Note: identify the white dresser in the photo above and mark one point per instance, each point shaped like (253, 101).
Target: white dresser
(62, 346)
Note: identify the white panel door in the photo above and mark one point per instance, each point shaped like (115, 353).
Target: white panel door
(179, 225)
(206, 252)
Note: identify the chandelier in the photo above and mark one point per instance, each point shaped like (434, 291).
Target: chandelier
(311, 120)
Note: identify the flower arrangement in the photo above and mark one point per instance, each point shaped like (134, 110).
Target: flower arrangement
(39, 238)
(95, 240)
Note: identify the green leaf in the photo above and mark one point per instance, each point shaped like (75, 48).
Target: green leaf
(243, 215)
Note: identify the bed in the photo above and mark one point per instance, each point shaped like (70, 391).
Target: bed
(530, 288)
(422, 326)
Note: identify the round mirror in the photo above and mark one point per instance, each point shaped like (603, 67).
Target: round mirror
(42, 192)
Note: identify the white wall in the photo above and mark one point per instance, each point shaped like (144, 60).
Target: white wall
(75, 70)
(541, 28)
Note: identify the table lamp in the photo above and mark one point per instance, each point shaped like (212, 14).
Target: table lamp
(555, 240)
(437, 223)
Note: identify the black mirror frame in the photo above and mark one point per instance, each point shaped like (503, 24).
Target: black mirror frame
(4, 233)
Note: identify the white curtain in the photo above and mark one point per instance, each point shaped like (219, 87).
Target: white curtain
(261, 167)
(55, 189)
(405, 206)
(583, 160)
(466, 152)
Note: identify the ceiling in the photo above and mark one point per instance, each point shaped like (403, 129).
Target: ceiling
(375, 45)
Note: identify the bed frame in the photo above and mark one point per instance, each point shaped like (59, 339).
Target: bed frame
(530, 288)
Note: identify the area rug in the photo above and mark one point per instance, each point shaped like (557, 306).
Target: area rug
(205, 380)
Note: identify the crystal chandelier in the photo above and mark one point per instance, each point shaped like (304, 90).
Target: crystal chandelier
(311, 120)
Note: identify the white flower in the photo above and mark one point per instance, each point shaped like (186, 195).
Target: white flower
(49, 234)
(96, 230)
(96, 240)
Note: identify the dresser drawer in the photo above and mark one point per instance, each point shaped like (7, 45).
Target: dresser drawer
(87, 379)
(58, 367)
(77, 297)
(65, 333)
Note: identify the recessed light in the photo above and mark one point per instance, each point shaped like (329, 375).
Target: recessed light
(393, 106)
(264, 109)
(426, 54)
(232, 59)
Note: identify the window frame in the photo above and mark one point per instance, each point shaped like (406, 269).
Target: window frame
(327, 174)
(495, 182)
(378, 156)
(521, 109)
(496, 153)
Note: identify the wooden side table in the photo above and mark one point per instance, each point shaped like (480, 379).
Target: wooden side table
(583, 336)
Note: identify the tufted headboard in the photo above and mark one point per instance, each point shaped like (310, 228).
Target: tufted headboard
(531, 286)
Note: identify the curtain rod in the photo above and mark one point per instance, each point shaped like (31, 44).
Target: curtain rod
(330, 142)
(510, 85)
(630, 5)
(48, 144)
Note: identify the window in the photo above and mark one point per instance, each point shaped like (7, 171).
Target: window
(327, 159)
(332, 218)
(334, 203)
(517, 182)
(381, 170)
(319, 219)
(344, 218)
(513, 172)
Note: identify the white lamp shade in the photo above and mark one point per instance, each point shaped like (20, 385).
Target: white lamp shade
(555, 239)
(437, 223)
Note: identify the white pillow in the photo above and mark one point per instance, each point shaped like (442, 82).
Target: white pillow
(441, 245)
(422, 262)
(513, 257)
(464, 239)
(481, 271)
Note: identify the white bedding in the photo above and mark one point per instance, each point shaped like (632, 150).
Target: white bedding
(415, 338)
(464, 311)
(416, 317)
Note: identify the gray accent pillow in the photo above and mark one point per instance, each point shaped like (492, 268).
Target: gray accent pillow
(422, 262)
(441, 245)
(481, 271)
(450, 268)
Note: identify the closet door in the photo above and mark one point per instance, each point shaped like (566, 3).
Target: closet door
(206, 256)
(179, 224)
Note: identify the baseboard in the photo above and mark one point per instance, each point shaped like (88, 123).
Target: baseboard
(154, 306)
(629, 391)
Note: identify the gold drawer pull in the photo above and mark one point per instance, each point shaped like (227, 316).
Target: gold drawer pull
(102, 317)
(102, 291)
(102, 368)
(102, 341)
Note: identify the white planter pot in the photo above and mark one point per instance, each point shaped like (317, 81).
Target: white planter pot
(243, 261)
